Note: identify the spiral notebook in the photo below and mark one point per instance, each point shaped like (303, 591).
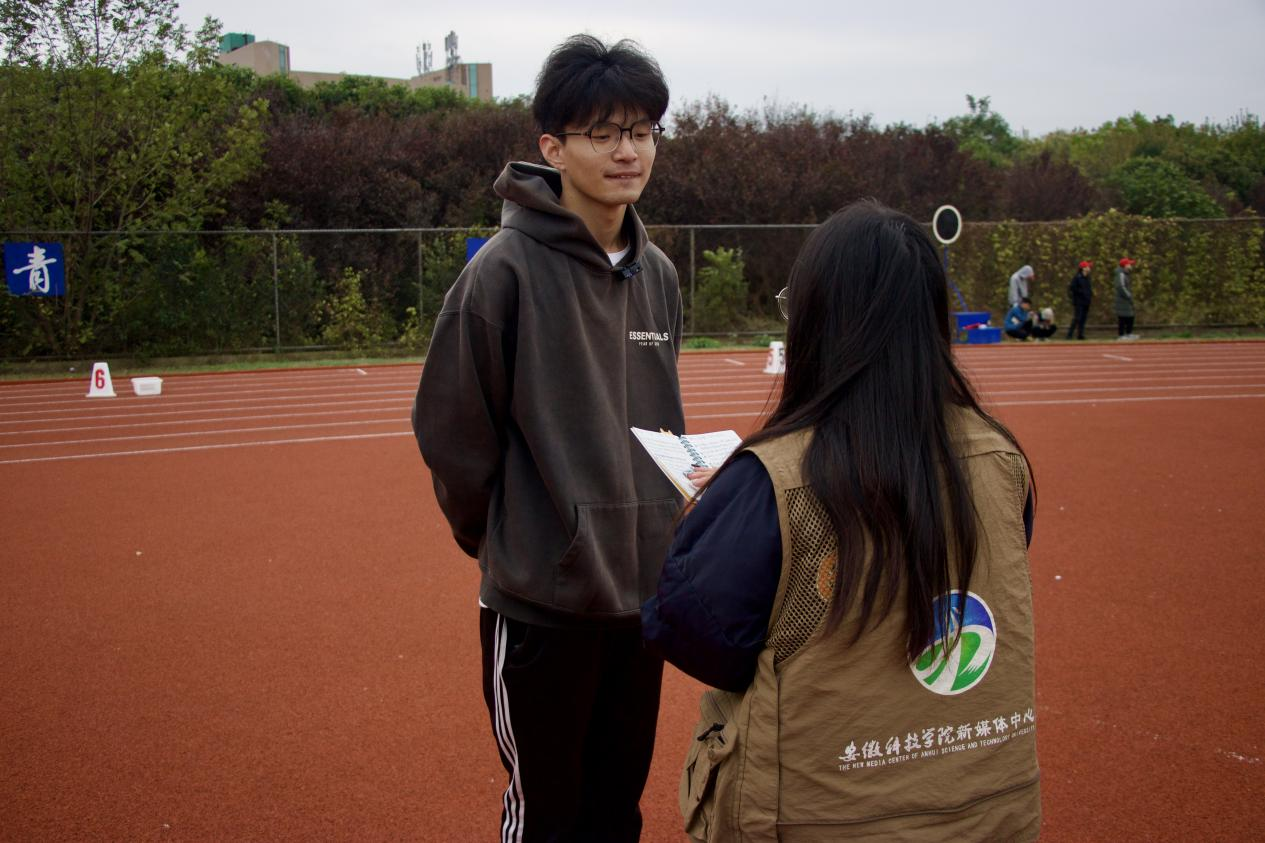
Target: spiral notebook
(676, 455)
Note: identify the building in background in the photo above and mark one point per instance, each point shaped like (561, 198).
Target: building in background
(474, 79)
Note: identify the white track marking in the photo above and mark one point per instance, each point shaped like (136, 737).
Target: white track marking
(1065, 401)
(220, 447)
(271, 396)
(987, 397)
(327, 399)
(212, 410)
(1144, 398)
(64, 442)
(1082, 389)
(201, 421)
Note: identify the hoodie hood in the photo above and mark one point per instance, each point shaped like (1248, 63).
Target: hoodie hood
(532, 206)
(1025, 272)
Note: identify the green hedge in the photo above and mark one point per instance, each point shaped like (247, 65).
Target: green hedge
(181, 294)
(1190, 272)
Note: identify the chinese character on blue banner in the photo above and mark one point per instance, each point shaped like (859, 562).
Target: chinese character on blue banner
(35, 269)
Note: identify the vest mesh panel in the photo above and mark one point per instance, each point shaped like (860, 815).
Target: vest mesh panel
(811, 579)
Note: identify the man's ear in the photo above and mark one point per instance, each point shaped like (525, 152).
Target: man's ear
(551, 151)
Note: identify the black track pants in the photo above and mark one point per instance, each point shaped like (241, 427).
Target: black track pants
(574, 714)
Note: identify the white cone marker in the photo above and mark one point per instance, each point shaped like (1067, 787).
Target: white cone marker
(776, 364)
(100, 385)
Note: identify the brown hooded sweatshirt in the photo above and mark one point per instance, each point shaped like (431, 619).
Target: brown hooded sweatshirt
(542, 357)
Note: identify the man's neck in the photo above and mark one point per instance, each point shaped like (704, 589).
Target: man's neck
(604, 222)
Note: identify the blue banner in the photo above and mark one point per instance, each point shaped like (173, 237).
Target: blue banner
(35, 269)
(473, 245)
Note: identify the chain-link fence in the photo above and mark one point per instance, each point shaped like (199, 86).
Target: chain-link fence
(154, 293)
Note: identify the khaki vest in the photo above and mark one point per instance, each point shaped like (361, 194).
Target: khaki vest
(847, 741)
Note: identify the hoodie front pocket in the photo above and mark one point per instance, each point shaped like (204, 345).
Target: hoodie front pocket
(613, 562)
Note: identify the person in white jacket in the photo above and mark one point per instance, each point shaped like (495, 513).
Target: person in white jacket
(1019, 285)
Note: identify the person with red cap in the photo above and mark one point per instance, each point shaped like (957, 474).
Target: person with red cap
(1124, 300)
(1082, 294)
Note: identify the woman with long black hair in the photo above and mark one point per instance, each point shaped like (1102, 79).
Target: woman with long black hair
(854, 581)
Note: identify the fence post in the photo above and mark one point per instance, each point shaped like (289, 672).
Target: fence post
(276, 293)
(421, 306)
(692, 313)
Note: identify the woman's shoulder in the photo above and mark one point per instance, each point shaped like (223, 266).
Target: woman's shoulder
(973, 434)
(782, 456)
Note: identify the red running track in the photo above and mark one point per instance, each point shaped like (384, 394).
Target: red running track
(233, 612)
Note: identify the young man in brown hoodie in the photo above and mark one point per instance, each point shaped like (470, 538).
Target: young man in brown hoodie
(561, 334)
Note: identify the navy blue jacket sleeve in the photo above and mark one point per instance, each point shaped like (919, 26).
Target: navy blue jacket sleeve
(1029, 516)
(711, 612)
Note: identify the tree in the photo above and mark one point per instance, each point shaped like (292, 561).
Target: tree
(983, 132)
(1046, 187)
(99, 33)
(1155, 188)
(722, 291)
(102, 130)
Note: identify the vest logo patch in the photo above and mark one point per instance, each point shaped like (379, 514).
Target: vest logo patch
(958, 671)
(826, 578)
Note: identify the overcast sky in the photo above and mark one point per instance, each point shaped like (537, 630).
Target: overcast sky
(1053, 64)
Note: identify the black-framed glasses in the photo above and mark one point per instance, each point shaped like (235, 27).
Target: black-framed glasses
(605, 137)
(783, 302)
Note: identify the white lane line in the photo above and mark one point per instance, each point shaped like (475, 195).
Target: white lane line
(1126, 400)
(171, 399)
(1012, 387)
(732, 379)
(696, 392)
(272, 396)
(208, 410)
(1079, 389)
(208, 433)
(171, 422)
(224, 446)
(691, 416)
(734, 362)
(1119, 357)
(1101, 366)
(736, 403)
(226, 382)
(1103, 379)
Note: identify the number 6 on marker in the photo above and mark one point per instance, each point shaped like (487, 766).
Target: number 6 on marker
(98, 378)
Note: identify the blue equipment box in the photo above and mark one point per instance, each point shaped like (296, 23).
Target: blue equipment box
(970, 317)
(983, 336)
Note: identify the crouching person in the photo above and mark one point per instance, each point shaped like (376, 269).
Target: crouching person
(854, 581)
(1019, 320)
(1043, 326)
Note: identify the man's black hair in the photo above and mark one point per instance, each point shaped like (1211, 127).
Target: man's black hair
(584, 80)
(1027, 300)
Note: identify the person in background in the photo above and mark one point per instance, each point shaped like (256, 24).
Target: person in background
(1042, 325)
(561, 334)
(1018, 320)
(1020, 285)
(1081, 292)
(1124, 300)
(854, 581)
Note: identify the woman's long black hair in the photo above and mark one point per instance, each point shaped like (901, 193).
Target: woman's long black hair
(869, 368)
